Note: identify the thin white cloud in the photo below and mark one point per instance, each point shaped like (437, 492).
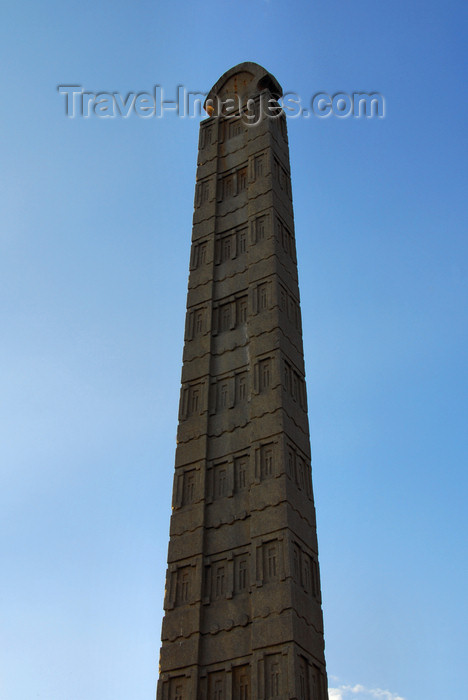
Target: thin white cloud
(359, 692)
(335, 694)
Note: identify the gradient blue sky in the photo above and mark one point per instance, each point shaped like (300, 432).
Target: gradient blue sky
(94, 249)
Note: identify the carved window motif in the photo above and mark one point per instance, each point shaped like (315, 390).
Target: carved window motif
(315, 579)
(185, 588)
(291, 309)
(285, 238)
(189, 487)
(306, 573)
(294, 385)
(303, 679)
(220, 481)
(276, 167)
(260, 226)
(226, 249)
(241, 683)
(241, 387)
(198, 322)
(242, 581)
(183, 585)
(194, 400)
(205, 137)
(264, 367)
(287, 376)
(297, 318)
(240, 468)
(202, 253)
(274, 680)
(234, 128)
(302, 394)
(278, 227)
(241, 241)
(259, 163)
(280, 124)
(225, 317)
(227, 186)
(266, 461)
(229, 315)
(270, 561)
(216, 686)
(300, 472)
(198, 255)
(283, 299)
(263, 300)
(223, 395)
(299, 469)
(176, 688)
(203, 192)
(281, 176)
(273, 676)
(290, 306)
(218, 691)
(242, 179)
(208, 134)
(316, 683)
(242, 310)
(219, 582)
(297, 563)
(291, 463)
(308, 478)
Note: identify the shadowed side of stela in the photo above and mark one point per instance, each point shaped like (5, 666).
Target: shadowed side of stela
(243, 616)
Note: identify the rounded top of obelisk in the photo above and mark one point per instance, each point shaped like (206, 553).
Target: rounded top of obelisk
(242, 82)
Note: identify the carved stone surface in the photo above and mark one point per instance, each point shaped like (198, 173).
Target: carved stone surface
(243, 616)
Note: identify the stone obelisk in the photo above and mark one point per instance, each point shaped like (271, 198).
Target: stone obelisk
(243, 616)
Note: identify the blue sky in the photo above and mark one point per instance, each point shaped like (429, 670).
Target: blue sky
(94, 248)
